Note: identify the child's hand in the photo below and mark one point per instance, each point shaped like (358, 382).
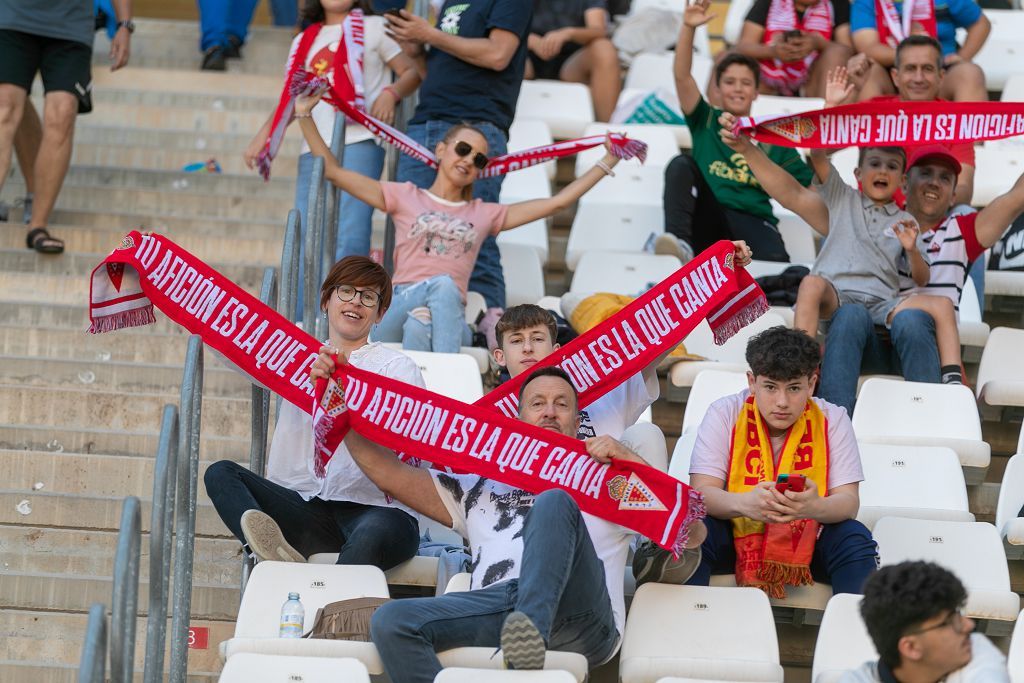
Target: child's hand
(305, 103)
(733, 141)
(252, 152)
(742, 253)
(837, 87)
(383, 108)
(857, 69)
(609, 159)
(906, 232)
(696, 13)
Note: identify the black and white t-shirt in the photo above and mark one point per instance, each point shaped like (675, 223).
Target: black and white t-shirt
(951, 248)
(620, 408)
(490, 515)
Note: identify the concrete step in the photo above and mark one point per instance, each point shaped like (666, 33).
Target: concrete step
(51, 641)
(143, 346)
(217, 101)
(230, 160)
(57, 439)
(182, 119)
(89, 132)
(137, 412)
(127, 219)
(117, 376)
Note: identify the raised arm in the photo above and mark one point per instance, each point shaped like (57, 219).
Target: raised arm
(866, 41)
(994, 219)
(839, 89)
(695, 15)
(907, 232)
(493, 52)
(977, 34)
(775, 180)
(356, 184)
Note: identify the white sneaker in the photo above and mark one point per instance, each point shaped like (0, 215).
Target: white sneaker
(667, 243)
(265, 539)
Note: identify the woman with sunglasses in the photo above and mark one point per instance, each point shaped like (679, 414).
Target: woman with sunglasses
(438, 231)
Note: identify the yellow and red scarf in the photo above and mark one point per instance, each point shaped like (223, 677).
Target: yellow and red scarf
(770, 556)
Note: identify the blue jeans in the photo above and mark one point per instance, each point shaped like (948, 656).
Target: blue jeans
(487, 278)
(561, 587)
(219, 19)
(355, 218)
(360, 534)
(853, 346)
(845, 555)
(447, 329)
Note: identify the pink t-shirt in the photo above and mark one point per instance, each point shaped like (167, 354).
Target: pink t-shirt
(711, 450)
(435, 236)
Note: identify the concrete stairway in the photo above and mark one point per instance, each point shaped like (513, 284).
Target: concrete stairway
(79, 414)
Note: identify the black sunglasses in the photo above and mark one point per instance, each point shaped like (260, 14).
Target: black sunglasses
(464, 149)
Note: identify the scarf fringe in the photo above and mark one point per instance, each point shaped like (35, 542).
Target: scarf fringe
(625, 148)
(695, 511)
(134, 317)
(740, 319)
(305, 83)
(779, 573)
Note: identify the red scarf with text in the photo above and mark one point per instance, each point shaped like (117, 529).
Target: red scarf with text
(918, 18)
(888, 123)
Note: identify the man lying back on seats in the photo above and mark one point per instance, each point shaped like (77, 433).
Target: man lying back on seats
(912, 611)
(748, 441)
(544, 575)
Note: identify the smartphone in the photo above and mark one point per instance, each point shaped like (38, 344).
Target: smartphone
(790, 35)
(790, 482)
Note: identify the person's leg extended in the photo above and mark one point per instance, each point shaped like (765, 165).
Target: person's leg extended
(239, 16)
(355, 218)
(964, 82)
(448, 330)
(381, 536)
(409, 633)
(20, 57)
(815, 300)
(409, 300)
(12, 106)
(850, 342)
(845, 555)
(26, 146)
(914, 346)
(562, 585)
(488, 278)
(718, 554)
(692, 214)
(213, 23)
(947, 336)
(763, 238)
(597, 65)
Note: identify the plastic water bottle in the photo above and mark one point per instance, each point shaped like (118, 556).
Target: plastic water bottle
(293, 615)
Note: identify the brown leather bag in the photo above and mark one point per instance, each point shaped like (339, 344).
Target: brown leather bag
(345, 619)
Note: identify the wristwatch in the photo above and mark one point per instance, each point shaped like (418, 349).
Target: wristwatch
(128, 24)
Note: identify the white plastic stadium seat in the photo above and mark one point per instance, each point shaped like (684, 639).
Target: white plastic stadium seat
(802, 604)
(971, 550)
(661, 145)
(611, 227)
(924, 482)
(1000, 373)
(1011, 500)
(653, 70)
(973, 331)
(734, 19)
(617, 272)
(999, 57)
(528, 133)
(633, 185)
(699, 633)
(524, 281)
(1015, 657)
(920, 414)
(1013, 90)
(248, 666)
(464, 675)
(520, 186)
(843, 641)
(566, 108)
(648, 441)
(845, 160)
(679, 466)
(259, 614)
(1002, 166)
(797, 235)
(708, 387)
(730, 356)
(455, 375)
(684, 139)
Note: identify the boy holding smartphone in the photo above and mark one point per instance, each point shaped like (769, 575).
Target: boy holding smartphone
(770, 537)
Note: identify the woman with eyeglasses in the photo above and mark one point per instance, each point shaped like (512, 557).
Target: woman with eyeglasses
(439, 231)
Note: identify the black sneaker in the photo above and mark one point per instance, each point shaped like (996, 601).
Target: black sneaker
(653, 563)
(522, 646)
(214, 59)
(233, 50)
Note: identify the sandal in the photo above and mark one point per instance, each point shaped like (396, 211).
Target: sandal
(44, 243)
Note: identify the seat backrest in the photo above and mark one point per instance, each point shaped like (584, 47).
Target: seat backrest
(708, 387)
(611, 227)
(460, 583)
(566, 108)
(970, 307)
(971, 550)
(452, 374)
(245, 667)
(1000, 359)
(702, 342)
(1011, 493)
(679, 466)
(617, 272)
(259, 615)
(648, 441)
(525, 284)
(922, 477)
(727, 631)
(458, 674)
(890, 408)
(1015, 657)
(632, 185)
(798, 237)
(843, 641)
(734, 19)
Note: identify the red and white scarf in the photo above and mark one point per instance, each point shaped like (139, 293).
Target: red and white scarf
(889, 123)
(893, 28)
(788, 77)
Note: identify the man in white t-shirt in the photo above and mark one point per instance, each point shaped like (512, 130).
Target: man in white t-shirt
(913, 613)
(544, 575)
(291, 514)
(729, 456)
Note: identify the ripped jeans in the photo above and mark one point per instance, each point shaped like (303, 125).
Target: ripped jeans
(441, 327)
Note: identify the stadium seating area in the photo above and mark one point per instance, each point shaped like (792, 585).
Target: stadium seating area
(79, 416)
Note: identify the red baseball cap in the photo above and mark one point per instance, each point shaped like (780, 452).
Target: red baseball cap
(927, 153)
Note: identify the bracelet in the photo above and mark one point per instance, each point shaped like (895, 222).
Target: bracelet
(388, 89)
(604, 167)
(304, 116)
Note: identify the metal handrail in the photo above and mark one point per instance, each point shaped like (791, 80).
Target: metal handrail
(313, 244)
(287, 303)
(185, 514)
(333, 198)
(161, 528)
(125, 600)
(92, 666)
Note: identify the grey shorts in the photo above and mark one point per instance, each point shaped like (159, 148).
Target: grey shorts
(879, 309)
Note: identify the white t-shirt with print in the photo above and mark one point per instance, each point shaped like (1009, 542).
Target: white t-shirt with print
(490, 515)
(378, 50)
(620, 408)
(290, 463)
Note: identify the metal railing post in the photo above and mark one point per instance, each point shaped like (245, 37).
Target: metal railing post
(185, 523)
(93, 665)
(288, 291)
(125, 600)
(333, 195)
(161, 528)
(313, 245)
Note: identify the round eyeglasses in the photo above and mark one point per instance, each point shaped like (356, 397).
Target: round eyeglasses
(367, 297)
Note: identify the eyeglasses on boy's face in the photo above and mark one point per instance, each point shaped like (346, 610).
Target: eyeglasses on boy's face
(367, 297)
(464, 149)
